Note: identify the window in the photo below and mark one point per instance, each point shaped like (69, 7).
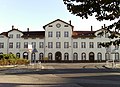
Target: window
(107, 56)
(75, 45)
(98, 45)
(41, 56)
(18, 36)
(66, 44)
(50, 34)
(11, 36)
(91, 45)
(65, 25)
(83, 56)
(50, 44)
(66, 34)
(1, 45)
(50, 26)
(25, 44)
(17, 44)
(18, 55)
(99, 56)
(33, 44)
(49, 56)
(117, 56)
(83, 45)
(58, 45)
(58, 34)
(41, 45)
(66, 56)
(75, 56)
(10, 45)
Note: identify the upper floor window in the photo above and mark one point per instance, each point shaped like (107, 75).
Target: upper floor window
(33, 44)
(83, 45)
(66, 44)
(50, 44)
(11, 45)
(66, 34)
(58, 34)
(25, 44)
(98, 45)
(18, 36)
(50, 34)
(58, 45)
(91, 45)
(41, 45)
(75, 45)
(11, 36)
(1, 45)
(17, 44)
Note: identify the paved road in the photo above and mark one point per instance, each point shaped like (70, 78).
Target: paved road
(61, 75)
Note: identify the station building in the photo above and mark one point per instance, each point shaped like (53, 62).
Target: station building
(58, 42)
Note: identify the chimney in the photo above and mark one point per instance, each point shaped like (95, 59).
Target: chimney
(91, 28)
(104, 26)
(12, 27)
(27, 29)
(70, 22)
(101, 27)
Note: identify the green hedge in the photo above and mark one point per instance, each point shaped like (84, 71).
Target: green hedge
(11, 59)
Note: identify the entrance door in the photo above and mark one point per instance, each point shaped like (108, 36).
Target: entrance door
(91, 57)
(58, 56)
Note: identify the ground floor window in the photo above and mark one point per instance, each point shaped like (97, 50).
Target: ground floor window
(50, 56)
(117, 56)
(41, 56)
(25, 55)
(18, 55)
(99, 56)
(75, 56)
(83, 56)
(107, 56)
(66, 56)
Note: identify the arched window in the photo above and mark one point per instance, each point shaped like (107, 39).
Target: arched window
(83, 56)
(41, 56)
(66, 56)
(25, 55)
(18, 55)
(107, 56)
(117, 56)
(99, 56)
(75, 56)
(50, 56)
(33, 57)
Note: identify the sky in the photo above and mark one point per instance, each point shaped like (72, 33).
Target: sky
(34, 14)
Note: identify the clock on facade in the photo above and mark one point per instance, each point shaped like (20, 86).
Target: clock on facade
(58, 25)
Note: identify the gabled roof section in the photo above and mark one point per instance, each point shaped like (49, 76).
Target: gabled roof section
(15, 30)
(4, 33)
(57, 20)
(77, 34)
(33, 34)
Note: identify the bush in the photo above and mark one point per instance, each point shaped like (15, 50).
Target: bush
(11, 59)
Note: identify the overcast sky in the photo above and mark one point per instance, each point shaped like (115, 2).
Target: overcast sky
(34, 14)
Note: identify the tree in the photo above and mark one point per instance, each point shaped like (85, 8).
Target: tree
(101, 9)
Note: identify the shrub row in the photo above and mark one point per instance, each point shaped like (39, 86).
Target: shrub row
(11, 59)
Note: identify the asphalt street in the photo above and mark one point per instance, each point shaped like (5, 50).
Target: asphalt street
(60, 75)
